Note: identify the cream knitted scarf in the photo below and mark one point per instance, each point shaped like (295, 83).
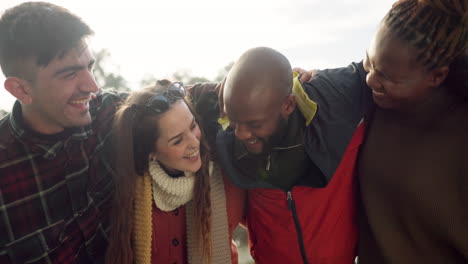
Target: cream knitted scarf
(143, 225)
(170, 193)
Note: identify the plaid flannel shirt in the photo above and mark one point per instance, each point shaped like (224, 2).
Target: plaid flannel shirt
(55, 190)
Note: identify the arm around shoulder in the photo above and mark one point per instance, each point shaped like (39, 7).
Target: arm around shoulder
(341, 89)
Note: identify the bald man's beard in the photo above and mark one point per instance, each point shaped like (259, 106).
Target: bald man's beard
(277, 137)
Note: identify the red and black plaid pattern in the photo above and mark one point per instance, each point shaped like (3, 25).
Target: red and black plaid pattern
(55, 190)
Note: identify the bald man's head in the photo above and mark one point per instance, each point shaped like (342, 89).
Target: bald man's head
(258, 72)
(257, 96)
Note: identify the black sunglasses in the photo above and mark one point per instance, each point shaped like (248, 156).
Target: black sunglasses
(161, 102)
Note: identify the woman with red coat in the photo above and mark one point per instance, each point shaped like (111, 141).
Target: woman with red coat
(172, 204)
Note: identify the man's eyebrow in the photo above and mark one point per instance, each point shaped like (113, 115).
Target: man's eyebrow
(74, 68)
(69, 69)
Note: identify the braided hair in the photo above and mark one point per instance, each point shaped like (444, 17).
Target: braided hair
(438, 29)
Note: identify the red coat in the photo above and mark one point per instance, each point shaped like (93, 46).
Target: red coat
(169, 243)
(326, 216)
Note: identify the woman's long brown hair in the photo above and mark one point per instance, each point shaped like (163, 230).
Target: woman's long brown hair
(135, 131)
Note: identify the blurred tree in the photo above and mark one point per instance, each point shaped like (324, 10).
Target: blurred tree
(106, 78)
(223, 72)
(148, 80)
(186, 77)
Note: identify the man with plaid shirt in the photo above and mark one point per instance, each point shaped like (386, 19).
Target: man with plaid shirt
(55, 178)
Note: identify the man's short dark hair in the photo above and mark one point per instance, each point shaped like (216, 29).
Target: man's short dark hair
(39, 32)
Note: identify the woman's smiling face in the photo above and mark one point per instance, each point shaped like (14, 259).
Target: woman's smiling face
(397, 80)
(178, 144)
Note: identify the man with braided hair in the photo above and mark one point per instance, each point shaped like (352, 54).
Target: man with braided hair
(413, 165)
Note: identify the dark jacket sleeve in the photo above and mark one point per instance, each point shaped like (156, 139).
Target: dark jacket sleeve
(343, 99)
(343, 90)
(204, 99)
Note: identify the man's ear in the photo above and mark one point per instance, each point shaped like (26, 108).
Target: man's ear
(438, 76)
(19, 88)
(288, 106)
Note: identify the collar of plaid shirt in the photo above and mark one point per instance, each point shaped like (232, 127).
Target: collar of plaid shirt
(45, 145)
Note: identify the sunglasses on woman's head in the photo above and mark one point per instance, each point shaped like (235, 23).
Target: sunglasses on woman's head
(161, 102)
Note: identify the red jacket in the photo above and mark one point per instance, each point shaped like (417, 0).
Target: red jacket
(326, 218)
(169, 243)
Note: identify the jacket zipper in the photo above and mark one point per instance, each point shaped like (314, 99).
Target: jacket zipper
(267, 167)
(292, 207)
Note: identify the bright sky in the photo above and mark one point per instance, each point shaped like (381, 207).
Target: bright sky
(158, 38)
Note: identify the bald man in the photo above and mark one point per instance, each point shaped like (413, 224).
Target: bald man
(292, 147)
